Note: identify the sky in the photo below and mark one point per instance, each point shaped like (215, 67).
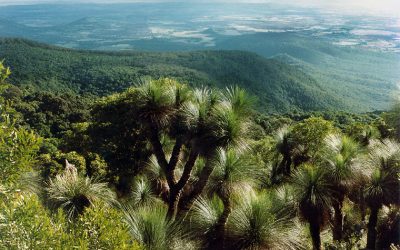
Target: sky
(380, 7)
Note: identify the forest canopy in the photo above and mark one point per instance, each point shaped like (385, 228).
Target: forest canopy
(168, 165)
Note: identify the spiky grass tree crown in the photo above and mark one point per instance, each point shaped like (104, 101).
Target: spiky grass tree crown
(340, 155)
(254, 225)
(384, 182)
(74, 193)
(152, 229)
(157, 101)
(313, 191)
(204, 219)
(233, 173)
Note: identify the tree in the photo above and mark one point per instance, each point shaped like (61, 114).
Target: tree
(298, 144)
(313, 193)
(74, 193)
(393, 118)
(153, 229)
(197, 122)
(309, 134)
(383, 186)
(339, 158)
(18, 146)
(256, 225)
(233, 174)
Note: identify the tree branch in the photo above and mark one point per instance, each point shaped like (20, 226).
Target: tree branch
(187, 169)
(160, 155)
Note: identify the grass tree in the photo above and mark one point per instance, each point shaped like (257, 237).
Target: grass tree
(142, 193)
(74, 193)
(153, 229)
(198, 121)
(313, 193)
(340, 156)
(233, 174)
(285, 149)
(204, 220)
(255, 225)
(383, 186)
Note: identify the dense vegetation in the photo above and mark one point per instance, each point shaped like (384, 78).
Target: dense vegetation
(278, 86)
(163, 165)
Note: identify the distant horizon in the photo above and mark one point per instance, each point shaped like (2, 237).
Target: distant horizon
(371, 7)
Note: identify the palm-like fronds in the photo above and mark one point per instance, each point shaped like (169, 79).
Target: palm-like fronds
(284, 155)
(312, 190)
(254, 225)
(343, 173)
(340, 156)
(239, 99)
(157, 177)
(232, 172)
(156, 100)
(204, 219)
(152, 229)
(74, 193)
(198, 109)
(142, 193)
(384, 183)
(313, 193)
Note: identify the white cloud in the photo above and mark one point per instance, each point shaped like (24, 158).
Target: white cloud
(383, 7)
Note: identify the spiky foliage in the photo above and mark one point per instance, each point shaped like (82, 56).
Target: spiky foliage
(74, 193)
(340, 156)
(313, 193)
(204, 220)
(383, 186)
(222, 123)
(157, 178)
(152, 229)
(254, 225)
(233, 172)
(142, 193)
(156, 101)
(239, 99)
(341, 152)
(284, 150)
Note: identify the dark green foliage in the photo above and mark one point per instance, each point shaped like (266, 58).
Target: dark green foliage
(52, 114)
(279, 87)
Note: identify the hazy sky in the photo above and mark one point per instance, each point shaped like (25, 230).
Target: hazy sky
(385, 7)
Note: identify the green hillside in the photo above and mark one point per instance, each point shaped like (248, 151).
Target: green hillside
(278, 86)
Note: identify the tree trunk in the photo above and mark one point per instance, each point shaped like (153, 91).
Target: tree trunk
(338, 221)
(371, 236)
(176, 151)
(176, 190)
(288, 164)
(187, 202)
(221, 226)
(173, 200)
(315, 233)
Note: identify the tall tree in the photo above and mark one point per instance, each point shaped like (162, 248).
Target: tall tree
(340, 155)
(313, 193)
(197, 122)
(383, 186)
(233, 174)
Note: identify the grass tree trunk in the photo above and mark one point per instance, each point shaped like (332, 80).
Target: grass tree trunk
(185, 203)
(173, 201)
(338, 220)
(221, 226)
(315, 229)
(371, 236)
(175, 186)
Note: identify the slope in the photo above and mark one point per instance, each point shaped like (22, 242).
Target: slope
(278, 86)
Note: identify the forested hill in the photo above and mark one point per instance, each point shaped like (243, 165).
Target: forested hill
(279, 87)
